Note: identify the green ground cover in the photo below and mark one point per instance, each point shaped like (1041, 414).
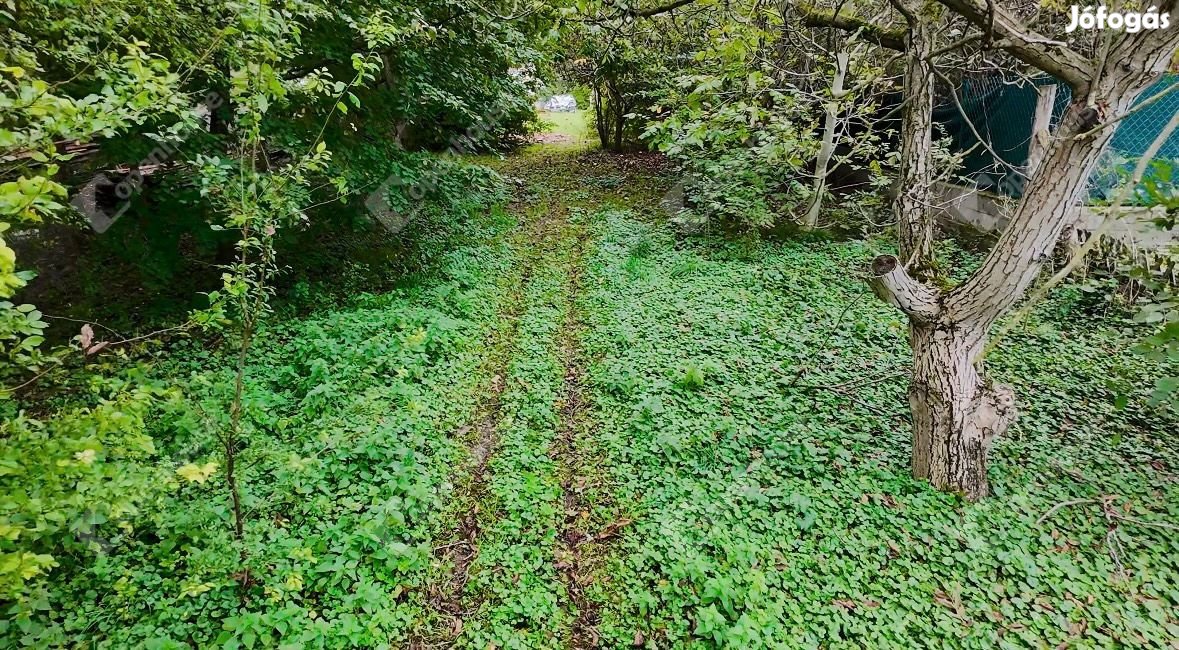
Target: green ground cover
(774, 509)
(579, 429)
(353, 414)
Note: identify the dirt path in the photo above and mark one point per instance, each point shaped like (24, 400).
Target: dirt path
(446, 593)
(573, 557)
(532, 519)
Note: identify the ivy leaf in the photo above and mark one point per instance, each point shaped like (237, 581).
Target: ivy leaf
(197, 473)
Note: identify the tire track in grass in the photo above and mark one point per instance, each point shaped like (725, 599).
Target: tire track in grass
(530, 540)
(591, 518)
(513, 597)
(570, 557)
(445, 594)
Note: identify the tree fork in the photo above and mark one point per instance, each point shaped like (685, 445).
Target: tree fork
(956, 412)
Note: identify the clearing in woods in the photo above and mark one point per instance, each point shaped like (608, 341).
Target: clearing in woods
(308, 340)
(583, 428)
(687, 440)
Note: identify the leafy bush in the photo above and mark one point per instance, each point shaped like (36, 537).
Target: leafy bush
(747, 146)
(343, 476)
(73, 482)
(1159, 276)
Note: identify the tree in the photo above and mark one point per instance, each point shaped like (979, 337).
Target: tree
(957, 410)
(623, 52)
(911, 208)
(827, 145)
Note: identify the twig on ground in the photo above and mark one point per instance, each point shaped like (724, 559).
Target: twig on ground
(1111, 511)
(802, 368)
(1060, 506)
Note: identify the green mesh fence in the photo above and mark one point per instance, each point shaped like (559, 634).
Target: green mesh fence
(1001, 112)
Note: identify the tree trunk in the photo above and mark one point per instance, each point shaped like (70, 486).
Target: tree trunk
(911, 208)
(609, 114)
(1048, 204)
(600, 116)
(828, 146)
(957, 412)
(619, 125)
(617, 112)
(1041, 127)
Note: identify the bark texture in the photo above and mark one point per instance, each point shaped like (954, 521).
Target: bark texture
(957, 412)
(892, 284)
(1041, 127)
(915, 181)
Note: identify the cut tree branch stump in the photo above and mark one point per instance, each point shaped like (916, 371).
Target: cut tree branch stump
(892, 284)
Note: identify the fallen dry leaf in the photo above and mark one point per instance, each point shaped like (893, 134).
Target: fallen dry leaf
(612, 528)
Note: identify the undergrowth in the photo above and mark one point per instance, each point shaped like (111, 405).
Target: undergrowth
(349, 414)
(740, 458)
(752, 409)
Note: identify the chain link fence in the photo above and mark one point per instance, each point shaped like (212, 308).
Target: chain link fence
(991, 122)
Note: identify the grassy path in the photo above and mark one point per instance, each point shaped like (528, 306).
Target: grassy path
(513, 571)
(513, 594)
(772, 509)
(575, 453)
(666, 456)
(575, 428)
(460, 548)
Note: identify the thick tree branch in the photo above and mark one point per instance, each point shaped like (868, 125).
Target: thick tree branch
(892, 284)
(1054, 57)
(1111, 217)
(671, 6)
(886, 38)
(1051, 198)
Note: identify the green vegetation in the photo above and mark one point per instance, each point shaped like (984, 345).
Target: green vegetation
(372, 356)
(730, 470)
(750, 406)
(571, 128)
(350, 415)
